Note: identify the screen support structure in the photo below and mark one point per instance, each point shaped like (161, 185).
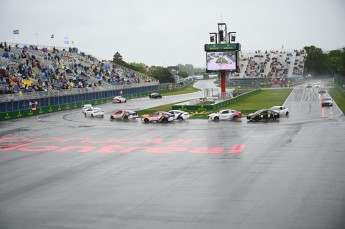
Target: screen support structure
(222, 85)
(222, 30)
(222, 42)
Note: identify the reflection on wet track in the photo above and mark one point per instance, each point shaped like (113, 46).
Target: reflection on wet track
(64, 170)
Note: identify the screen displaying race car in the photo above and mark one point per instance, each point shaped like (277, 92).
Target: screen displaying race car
(216, 61)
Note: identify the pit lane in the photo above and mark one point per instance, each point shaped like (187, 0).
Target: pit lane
(67, 171)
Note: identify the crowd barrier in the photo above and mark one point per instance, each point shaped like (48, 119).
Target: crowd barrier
(49, 103)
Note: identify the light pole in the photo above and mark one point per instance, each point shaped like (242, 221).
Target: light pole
(232, 38)
(214, 37)
(222, 31)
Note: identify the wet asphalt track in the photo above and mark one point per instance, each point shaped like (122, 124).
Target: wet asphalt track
(63, 170)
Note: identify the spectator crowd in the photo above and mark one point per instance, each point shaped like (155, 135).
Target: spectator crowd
(25, 69)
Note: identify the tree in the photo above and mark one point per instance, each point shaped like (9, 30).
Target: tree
(342, 63)
(315, 63)
(188, 68)
(163, 75)
(337, 61)
(139, 67)
(117, 59)
(320, 63)
(183, 74)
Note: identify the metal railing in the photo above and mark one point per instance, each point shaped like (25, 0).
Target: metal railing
(53, 93)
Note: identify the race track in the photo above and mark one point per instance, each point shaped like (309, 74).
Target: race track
(63, 170)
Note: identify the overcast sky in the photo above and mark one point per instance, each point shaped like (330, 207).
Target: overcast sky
(171, 32)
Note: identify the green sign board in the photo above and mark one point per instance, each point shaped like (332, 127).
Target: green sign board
(223, 47)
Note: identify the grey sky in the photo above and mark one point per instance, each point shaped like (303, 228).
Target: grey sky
(164, 33)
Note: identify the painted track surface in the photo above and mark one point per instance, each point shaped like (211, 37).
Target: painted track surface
(68, 171)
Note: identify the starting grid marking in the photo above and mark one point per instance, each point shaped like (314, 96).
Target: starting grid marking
(114, 145)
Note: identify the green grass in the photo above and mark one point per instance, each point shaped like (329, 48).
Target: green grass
(339, 98)
(183, 90)
(150, 110)
(261, 99)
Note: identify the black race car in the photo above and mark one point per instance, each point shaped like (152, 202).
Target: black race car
(263, 115)
(155, 96)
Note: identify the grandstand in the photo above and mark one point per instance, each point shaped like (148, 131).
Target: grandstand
(28, 68)
(269, 67)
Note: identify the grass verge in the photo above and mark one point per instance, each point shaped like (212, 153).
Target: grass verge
(183, 90)
(150, 110)
(338, 97)
(262, 99)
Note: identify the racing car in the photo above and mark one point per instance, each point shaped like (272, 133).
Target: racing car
(86, 107)
(327, 101)
(155, 95)
(158, 116)
(226, 114)
(94, 112)
(179, 115)
(119, 99)
(281, 110)
(263, 115)
(124, 115)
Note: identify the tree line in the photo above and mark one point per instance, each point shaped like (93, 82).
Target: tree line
(317, 63)
(324, 63)
(163, 74)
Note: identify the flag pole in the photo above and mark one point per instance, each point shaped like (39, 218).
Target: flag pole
(36, 39)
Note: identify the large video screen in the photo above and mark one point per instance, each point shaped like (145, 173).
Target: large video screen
(217, 61)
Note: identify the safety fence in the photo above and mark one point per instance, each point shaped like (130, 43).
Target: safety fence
(48, 103)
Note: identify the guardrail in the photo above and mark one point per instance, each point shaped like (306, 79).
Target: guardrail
(37, 105)
(341, 89)
(33, 104)
(74, 91)
(211, 107)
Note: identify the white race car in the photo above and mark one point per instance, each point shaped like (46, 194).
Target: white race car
(86, 107)
(124, 115)
(158, 116)
(179, 115)
(94, 112)
(119, 99)
(226, 114)
(281, 110)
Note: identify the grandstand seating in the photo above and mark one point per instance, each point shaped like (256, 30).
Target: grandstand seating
(29, 68)
(268, 68)
(271, 64)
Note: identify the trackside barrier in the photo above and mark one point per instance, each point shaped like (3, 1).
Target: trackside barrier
(43, 104)
(211, 107)
(340, 88)
(204, 115)
(39, 106)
